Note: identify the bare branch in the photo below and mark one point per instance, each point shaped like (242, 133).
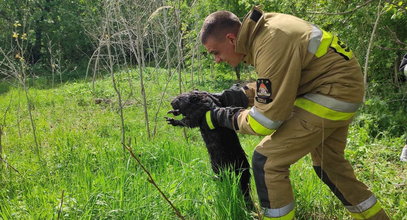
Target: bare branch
(388, 48)
(60, 205)
(379, 13)
(343, 12)
(151, 180)
(2, 159)
(396, 39)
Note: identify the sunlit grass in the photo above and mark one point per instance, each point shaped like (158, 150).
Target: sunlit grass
(82, 156)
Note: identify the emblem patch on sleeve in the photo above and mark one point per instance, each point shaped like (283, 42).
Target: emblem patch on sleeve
(263, 91)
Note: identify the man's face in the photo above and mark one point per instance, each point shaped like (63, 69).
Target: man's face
(223, 49)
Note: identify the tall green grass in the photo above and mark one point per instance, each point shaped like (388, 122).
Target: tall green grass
(82, 156)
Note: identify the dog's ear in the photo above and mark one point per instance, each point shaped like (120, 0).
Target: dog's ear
(194, 98)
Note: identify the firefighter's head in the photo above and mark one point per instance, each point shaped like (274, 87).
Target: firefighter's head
(219, 36)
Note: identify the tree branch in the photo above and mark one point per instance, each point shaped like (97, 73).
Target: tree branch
(1, 158)
(389, 48)
(343, 12)
(60, 205)
(379, 13)
(151, 180)
(396, 39)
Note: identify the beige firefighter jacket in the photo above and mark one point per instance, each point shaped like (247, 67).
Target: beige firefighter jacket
(292, 58)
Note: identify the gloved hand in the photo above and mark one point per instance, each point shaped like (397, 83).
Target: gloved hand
(222, 117)
(233, 97)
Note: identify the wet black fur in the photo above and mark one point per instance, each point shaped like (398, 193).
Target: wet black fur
(223, 144)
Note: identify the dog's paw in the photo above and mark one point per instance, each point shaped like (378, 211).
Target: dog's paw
(174, 112)
(175, 122)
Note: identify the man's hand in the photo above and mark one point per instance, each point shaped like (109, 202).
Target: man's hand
(233, 97)
(222, 117)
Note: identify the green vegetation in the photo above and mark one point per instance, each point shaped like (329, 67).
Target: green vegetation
(70, 69)
(81, 155)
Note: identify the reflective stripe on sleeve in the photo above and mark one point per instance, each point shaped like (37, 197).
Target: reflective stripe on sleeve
(209, 120)
(331, 103)
(324, 45)
(327, 107)
(366, 209)
(315, 39)
(260, 123)
(319, 42)
(284, 213)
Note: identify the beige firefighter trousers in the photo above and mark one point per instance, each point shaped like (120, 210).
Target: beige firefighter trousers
(301, 134)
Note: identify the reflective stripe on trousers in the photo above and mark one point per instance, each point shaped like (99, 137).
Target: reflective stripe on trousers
(327, 107)
(366, 209)
(284, 213)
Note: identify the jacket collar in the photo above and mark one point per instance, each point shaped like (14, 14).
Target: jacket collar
(251, 23)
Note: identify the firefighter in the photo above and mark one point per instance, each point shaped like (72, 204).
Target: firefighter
(308, 89)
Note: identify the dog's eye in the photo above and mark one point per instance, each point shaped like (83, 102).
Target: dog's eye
(194, 99)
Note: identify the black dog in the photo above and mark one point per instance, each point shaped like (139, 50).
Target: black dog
(223, 144)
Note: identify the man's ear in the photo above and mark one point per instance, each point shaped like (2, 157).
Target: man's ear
(231, 38)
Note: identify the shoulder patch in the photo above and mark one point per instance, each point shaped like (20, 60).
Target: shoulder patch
(256, 15)
(263, 91)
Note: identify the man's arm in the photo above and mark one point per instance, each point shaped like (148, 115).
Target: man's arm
(278, 64)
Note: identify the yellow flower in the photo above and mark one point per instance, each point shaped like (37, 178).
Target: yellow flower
(17, 24)
(15, 35)
(24, 36)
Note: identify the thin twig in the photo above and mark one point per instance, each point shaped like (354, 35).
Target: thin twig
(389, 48)
(379, 13)
(398, 41)
(343, 12)
(1, 158)
(60, 205)
(151, 180)
(2, 125)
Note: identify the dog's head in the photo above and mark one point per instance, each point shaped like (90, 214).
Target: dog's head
(192, 106)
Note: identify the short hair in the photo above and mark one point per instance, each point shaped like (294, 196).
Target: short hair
(219, 24)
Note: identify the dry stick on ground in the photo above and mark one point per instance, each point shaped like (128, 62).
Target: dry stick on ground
(151, 180)
(379, 13)
(343, 12)
(1, 158)
(60, 205)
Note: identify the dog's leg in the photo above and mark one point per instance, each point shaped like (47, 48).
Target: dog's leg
(226, 153)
